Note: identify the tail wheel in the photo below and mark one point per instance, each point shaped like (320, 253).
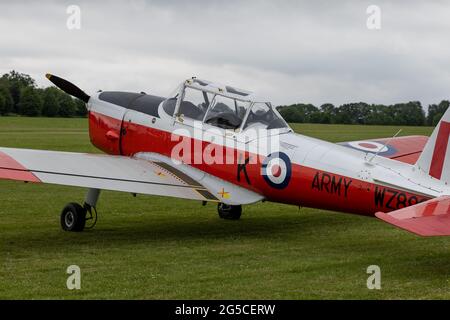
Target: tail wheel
(73, 217)
(229, 212)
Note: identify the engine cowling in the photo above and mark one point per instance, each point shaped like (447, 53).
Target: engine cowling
(106, 114)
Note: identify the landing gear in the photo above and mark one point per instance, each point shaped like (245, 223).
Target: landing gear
(73, 216)
(229, 212)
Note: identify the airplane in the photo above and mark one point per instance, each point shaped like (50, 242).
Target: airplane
(204, 142)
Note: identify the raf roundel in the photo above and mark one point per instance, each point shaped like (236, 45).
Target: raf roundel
(276, 170)
(373, 147)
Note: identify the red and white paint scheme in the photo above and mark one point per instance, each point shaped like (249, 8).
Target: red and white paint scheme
(204, 142)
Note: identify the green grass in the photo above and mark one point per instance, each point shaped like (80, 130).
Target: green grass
(165, 248)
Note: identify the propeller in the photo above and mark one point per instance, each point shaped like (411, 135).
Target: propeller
(68, 87)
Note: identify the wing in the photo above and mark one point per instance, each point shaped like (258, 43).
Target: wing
(429, 218)
(117, 173)
(405, 149)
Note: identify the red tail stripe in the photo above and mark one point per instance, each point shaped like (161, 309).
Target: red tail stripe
(440, 149)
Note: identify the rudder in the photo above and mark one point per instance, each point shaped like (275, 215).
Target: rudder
(435, 157)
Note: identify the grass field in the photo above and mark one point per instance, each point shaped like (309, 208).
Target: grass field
(165, 248)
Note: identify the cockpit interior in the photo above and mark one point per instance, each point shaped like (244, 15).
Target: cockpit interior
(224, 107)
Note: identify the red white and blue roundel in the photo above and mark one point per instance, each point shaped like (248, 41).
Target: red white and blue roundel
(277, 170)
(373, 147)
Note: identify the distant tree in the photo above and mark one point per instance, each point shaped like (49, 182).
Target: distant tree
(30, 102)
(81, 110)
(410, 113)
(380, 114)
(436, 111)
(6, 105)
(51, 106)
(353, 113)
(315, 117)
(16, 82)
(415, 114)
(308, 111)
(299, 113)
(291, 114)
(328, 113)
(2, 105)
(67, 105)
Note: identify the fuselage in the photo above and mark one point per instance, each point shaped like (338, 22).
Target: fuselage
(313, 173)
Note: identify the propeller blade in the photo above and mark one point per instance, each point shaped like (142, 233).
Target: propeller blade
(68, 87)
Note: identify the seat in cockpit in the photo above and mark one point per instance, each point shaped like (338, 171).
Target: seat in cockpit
(190, 110)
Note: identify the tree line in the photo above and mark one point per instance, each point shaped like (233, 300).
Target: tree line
(19, 95)
(410, 113)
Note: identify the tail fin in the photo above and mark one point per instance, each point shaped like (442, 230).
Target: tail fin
(435, 157)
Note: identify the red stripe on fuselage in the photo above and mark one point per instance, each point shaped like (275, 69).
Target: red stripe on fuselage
(10, 169)
(440, 149)
(308, 187)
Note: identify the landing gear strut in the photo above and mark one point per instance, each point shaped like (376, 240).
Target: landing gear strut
(229, 212)
(73, 216)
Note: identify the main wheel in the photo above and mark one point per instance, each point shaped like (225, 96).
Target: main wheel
(73, 217)
(229, 212)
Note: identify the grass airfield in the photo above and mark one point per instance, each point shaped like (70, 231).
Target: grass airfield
(165, 248)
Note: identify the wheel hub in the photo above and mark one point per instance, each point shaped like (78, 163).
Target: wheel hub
(69, 219)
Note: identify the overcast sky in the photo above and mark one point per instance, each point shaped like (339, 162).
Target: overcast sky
(287, 52)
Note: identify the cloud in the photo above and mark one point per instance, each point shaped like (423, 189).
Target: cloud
(291, 51)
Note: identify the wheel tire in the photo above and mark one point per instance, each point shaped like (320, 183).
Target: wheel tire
(229, 212)
(73, 217)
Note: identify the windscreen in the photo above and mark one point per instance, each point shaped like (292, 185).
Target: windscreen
(263, 116)
(226, 113)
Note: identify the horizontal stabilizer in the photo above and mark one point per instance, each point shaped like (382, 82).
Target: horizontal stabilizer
(429, 218)
(405, 149)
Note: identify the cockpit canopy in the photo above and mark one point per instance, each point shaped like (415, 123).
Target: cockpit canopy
(222, 106)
